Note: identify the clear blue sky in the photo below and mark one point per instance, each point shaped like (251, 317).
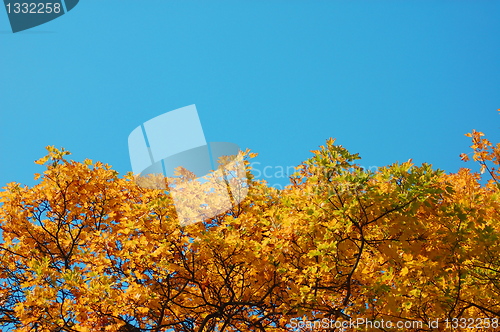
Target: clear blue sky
(391, 80)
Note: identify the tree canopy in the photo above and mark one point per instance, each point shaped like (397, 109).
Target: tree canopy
(88, 250)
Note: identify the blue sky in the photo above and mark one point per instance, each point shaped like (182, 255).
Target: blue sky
(391, 80)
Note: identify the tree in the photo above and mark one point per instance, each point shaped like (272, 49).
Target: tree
(87, 250)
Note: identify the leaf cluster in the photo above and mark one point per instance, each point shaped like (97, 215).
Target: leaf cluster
(87, 250)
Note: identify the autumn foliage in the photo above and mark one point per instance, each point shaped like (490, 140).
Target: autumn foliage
(88, 250)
